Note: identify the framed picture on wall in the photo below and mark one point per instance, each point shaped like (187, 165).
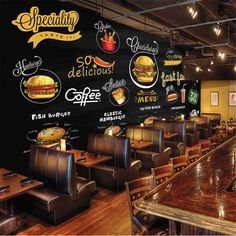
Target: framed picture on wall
(214, 98)
(232, 98)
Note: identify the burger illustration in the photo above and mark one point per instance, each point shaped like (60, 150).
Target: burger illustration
(51, 135)
(144, 69)
(40, 87)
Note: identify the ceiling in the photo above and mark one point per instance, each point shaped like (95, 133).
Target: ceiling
(170, 19)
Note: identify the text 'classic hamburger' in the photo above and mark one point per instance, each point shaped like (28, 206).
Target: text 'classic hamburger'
(144, 69)
(40, 87)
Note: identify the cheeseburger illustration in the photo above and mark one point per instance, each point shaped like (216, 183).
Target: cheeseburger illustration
(51, 135)
(144, 69)
(40, 87)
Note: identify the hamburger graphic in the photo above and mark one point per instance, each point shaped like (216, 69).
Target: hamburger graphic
(40, 87)
(144, 69)
(51, 135)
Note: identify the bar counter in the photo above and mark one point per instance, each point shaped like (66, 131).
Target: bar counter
(198, 196)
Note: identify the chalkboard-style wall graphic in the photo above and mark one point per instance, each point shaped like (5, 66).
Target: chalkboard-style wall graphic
(41, 88)
(33, 21)
(107, 38)
(96, 74)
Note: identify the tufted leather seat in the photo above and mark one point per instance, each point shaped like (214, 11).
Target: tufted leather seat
(63, 194)
(121, 168)
(178, 144)
(214, 118)
(192, 134)
(7, 224)
(203, 125)
(154, 155)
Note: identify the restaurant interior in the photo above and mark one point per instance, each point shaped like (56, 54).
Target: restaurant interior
(121, 117)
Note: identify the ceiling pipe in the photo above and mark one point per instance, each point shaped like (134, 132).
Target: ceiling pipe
(155, 9)
(204, 23)
(211, 45)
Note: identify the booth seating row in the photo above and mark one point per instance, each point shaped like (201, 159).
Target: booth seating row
(155, 154)
(119, 169)
(178, 143)
(63, 194)
(214, 118)
(203, 126)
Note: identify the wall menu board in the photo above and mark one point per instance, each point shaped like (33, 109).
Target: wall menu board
(67, 71)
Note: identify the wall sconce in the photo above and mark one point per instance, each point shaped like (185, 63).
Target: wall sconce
(192, 11)
(142, 124)
(182, 116)
(110, 132)
(235, 68)
(209, 70)
(63, 144)
(217, 29)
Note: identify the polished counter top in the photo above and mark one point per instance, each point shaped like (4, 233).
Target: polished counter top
(197, 195)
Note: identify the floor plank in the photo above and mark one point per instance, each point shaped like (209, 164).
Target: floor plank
(108, 214)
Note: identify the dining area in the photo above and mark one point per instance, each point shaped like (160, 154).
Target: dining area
(62, 183)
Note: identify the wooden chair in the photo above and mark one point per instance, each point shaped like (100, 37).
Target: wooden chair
(142, 222)
(205, 147)
(194, 153)
(179, 162)
(162, 173)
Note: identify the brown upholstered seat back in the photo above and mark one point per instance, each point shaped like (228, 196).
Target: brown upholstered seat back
(55, 168)
(117, 147)
(173, 127)
(156, 136)
(191, 127)
(100, 143)
(201, 121)
(214, 118)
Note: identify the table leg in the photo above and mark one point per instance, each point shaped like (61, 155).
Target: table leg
(89, 173)
(10, 207)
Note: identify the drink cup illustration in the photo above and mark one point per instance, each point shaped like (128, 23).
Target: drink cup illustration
(183, 94)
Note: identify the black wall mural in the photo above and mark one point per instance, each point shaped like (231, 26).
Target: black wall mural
(67, 71)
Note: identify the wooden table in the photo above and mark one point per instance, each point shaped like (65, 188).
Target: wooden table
(170, 135)
(15, 188)
(139, 145)
(196, 197)
(88, 159)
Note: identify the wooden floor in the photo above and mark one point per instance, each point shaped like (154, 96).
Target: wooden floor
(108, 215)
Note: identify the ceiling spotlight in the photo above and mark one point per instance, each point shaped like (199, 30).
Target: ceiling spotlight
(198, 69)
(209, 70)
(192, 11)
(217, 29)
(221, 55)
(212, 62)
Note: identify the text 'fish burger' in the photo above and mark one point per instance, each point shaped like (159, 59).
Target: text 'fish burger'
(144, 69)
(40, 87)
